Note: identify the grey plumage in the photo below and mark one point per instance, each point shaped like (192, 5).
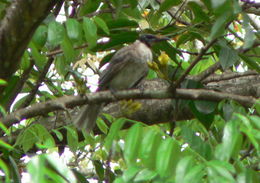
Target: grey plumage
(126, 69)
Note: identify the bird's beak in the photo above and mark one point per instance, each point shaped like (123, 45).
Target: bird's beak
(161, 38)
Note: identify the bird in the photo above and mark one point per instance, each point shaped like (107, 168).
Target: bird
(126, 69)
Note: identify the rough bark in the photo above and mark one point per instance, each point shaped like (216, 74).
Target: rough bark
(17, 28)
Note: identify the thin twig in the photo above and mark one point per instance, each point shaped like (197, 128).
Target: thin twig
(197, 59)
(20, 84)
(33, 92)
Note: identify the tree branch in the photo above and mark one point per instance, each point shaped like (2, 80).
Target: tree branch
(106, 96)
(197, 59)
(17, 28)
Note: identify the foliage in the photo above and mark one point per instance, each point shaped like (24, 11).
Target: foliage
(220, 144)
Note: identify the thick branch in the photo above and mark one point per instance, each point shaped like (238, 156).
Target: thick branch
(106, 96)
(17, 27)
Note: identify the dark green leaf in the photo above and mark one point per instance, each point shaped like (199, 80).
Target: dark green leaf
(68, 50)
(58, 134)
(25, 62)
(205, 107)
(113, 132)
(200, 15)
(14, 170)
(102, 24)
(205, 119)
(56, 33)
(90, 30)
(167, 4)
(74, 29)
(102, 125)
(89, 7)
(219, 26)
(227, 57)
(40, 36)
(99, 169)
(250, 62)
(40, 59)
(72, 138)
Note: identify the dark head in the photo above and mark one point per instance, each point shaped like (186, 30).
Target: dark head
(149, 39)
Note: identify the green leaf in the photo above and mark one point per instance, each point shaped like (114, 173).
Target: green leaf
(250, 62)
(29, 138)
(40, 59)
(102, 24)
(99, 169)
(183, 166)
(150, 144)
(130, 173)
(40, 36)
(5, 129)
(5, 169)
(255, 120)
(113, 132)
(89, 6)
(200, 15)
(220, 169)
(74, 29)
(15, 171)
(195, 174)
(145, 175)
(72, 138)
(250, 36)
(5, 145)
(205, 118)
(3, 82)
(196, 143)
(167, 156)
(205, 107)
(228, 57)
(132, 143)
(56, 33)
(60, 65)
(231, 142)
(25, 62)
(68, 50)
(45, 139)
(90, 30)
(167, 4)
(58, 134)
(102, 125)
(216, 4)
(219, 26)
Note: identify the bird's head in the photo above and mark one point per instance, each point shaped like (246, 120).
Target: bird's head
(149, 39)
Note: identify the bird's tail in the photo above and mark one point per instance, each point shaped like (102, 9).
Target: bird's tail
(87, 117)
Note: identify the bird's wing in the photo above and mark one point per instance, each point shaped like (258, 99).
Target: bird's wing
(121, 59)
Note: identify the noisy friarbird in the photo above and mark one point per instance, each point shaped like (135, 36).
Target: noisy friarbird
(126, 69)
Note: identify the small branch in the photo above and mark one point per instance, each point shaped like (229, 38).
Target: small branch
(174, 15)
(228, 76)
(106, 96)
(105, 11)
(59, 51)
(193, 53)
(197, 59)
(19, 85)
(33, 92)
(201, 76)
